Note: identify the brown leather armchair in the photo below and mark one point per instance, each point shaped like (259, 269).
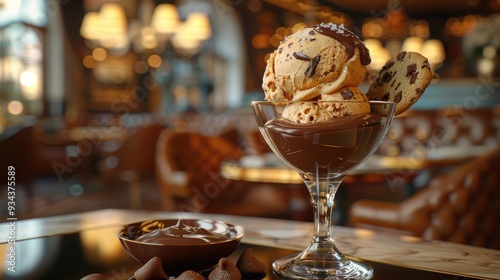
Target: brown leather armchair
(188, 168)
(462, 206)
(188, 175)
(134, 154)
(130, 160)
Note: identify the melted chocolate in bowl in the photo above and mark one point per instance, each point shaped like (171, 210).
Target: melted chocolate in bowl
(182, 234)
(337, 145)
(187, 244)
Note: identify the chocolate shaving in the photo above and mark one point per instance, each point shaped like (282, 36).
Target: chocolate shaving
(280, 50)
(347, 94)
(386, 97)
(312, 66)
(401, 55)
(301, 56)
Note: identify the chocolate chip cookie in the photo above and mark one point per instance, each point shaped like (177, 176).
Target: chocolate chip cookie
(402, 80)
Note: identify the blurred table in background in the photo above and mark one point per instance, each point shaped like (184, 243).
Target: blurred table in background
(380, 177)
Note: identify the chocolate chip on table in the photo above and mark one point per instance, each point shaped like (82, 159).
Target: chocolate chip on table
(151, 270)
(225, 270)
(190, 275)
(248, 263)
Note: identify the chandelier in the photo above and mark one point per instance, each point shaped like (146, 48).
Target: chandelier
(155, 29)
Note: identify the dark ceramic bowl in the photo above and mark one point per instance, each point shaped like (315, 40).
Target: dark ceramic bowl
(178, 258)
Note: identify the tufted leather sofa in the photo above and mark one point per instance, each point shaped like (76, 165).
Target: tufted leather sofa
(462, 206)
(417, 130)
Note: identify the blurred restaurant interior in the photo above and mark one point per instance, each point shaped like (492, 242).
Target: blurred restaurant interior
(145, 104)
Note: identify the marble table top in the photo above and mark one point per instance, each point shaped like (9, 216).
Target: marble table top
(437, 256)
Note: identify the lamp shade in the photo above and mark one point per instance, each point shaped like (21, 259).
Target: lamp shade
(165, 18)
(412, 44)
(199, 26)
(113, 31)
(378, 53)
(433, 49)
(91, 26)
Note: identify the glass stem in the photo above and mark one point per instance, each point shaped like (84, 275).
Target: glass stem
(322, 190)
(324, 199)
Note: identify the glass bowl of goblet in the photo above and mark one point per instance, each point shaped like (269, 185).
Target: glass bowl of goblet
(323, 153)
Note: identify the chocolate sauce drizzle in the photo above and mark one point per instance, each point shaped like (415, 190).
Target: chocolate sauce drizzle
(347, 39)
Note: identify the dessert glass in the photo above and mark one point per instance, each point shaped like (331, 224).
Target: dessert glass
(323, 154)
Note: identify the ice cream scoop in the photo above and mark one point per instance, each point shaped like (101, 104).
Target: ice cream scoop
(316, 61)
(307, 112)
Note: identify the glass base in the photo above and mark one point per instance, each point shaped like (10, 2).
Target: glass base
(348, 268)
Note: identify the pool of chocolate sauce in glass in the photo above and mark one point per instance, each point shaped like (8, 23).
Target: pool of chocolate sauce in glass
(335, 146)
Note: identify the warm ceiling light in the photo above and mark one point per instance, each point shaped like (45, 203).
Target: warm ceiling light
(199, 26)
(154, 61)
(15, 107)
(260, 41)
(378, 53)
(99, 54)
(372, 29)
(184, 39)
(113, 20)
(30, 83)
(190, 35)
(91, 26)
(412, 44)
(434, 51)
(113, 12)
(165, 18)
(88, 61)
(298, 26)
(148, 39)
